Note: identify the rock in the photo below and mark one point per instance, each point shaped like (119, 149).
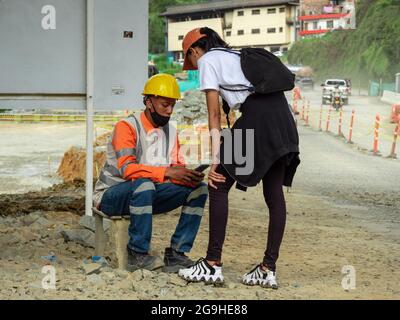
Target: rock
(208, 291)
(82, 236)
(124, 285)
(137, 275)
(147, 274)
(80, 289)
(96, 279)
(30, 218)
(91, 268)
(13, 239)
(179, 293)
(231, 285)
(41, 222)
(109, 269)
(36, 285)
(89, 223)
(109, 275)
(122, 273)
(4, 229)
(11, 222)
(176, 281)
(162, 279)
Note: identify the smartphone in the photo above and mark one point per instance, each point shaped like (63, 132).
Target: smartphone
(202, 167)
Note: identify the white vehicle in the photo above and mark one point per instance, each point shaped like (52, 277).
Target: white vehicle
(329, 86)
(278, 53)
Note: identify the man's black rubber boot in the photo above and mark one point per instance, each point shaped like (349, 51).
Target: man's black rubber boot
(138, 260)
(174, 260)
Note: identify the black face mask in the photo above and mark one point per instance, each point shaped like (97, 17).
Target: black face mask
(157, 118)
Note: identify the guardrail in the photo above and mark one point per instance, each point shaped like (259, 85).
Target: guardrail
(57, 118)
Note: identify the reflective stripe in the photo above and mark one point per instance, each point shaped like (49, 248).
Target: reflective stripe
(112, 170)
(193, 210)
(141, 210)
(125, 152)
(109, 180)
(145, 186)
(166, 132)
(135, 124)
(197, 193)
(125, 165)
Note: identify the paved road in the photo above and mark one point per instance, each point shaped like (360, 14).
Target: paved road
(30, 153)
(365, 109)
(350, 178)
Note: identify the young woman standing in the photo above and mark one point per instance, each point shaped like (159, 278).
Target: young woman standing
(276, 150)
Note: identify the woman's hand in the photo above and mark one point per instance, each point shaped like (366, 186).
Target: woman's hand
(213, 176)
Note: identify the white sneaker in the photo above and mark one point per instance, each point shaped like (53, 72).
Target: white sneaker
(257, 276)
(202, 271)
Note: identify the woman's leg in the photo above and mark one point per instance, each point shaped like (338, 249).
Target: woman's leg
(218, 215)
(274, 197)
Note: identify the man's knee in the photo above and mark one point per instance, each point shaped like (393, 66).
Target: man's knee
(143, 189)
(200, 191)
(196, 200)
(142, 185)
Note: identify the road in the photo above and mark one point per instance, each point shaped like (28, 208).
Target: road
(30, 153)
(366, 108)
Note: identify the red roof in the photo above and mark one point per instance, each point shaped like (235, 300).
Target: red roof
(307, 32)
(324, 16)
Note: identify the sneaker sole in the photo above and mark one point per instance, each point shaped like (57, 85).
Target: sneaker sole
(251, 283)
(269, 286)
(206, 279)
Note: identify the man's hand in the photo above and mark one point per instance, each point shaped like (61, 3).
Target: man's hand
(184, 175)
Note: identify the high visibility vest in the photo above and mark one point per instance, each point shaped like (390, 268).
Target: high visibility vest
(153, 148)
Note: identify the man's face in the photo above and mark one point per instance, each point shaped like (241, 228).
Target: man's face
(163, 106)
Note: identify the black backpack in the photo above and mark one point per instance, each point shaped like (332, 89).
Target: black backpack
(264, 70)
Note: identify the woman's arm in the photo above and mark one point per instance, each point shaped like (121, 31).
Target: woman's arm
(214, 125)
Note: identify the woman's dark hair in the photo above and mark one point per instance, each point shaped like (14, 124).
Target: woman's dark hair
(212, 40)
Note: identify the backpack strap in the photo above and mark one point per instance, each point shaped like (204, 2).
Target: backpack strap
(224, 49)
(245, 88)
(226, 109)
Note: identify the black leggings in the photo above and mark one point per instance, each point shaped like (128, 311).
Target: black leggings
(275, 200)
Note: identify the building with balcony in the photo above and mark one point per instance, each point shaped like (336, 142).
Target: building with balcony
(270, 24)
(321, 16)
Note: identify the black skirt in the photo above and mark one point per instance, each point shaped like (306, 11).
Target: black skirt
(275, 136)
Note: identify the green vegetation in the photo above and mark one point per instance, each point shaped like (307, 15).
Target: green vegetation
(369, 52)
(156, 23)
(166, 66)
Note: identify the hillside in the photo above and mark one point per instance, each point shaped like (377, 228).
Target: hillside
(369, 52)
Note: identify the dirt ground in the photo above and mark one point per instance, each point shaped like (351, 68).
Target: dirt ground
(343, 210)
(320, 239)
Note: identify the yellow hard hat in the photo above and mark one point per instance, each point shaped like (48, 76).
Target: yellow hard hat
(163, 85)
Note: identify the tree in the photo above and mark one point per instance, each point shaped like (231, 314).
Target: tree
(157, 32)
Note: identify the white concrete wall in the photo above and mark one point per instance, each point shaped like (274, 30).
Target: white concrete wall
(322, 24)
(231, 22)
(390, 97)
(176, 29)
(263, 21)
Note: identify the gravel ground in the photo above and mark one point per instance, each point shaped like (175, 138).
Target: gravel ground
(342, 210)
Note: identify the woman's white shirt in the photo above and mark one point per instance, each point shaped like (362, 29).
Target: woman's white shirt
(220, 68)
